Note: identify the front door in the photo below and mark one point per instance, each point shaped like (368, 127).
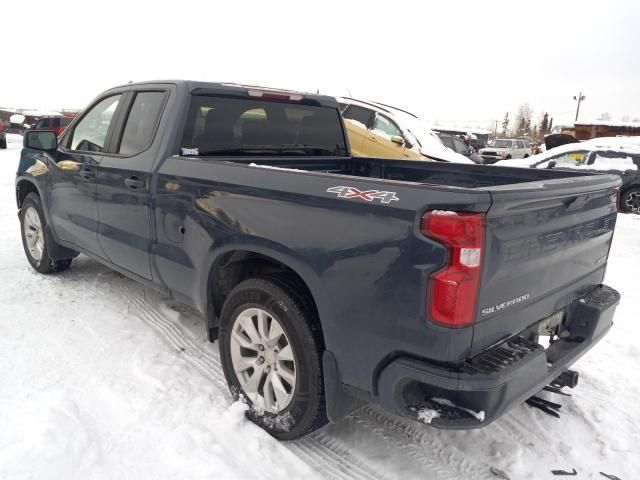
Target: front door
(123, 182)
(72, 187)
(379, 140)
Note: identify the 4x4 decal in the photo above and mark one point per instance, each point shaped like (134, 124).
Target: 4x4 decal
(368, 195)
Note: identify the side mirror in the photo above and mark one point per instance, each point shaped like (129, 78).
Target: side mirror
(40, 140)
(397, 139)
(551, 164)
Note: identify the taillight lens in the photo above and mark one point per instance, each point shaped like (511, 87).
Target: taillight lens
(453, 290)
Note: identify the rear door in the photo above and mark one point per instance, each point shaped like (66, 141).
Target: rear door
(518, 149)
(546, 244)
(358, 120)
(123, 182)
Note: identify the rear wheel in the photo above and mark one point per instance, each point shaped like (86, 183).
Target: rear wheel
(34, 239)
(271, 350)
(630, 201)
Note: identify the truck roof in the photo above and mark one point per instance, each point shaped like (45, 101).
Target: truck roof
(222, 88)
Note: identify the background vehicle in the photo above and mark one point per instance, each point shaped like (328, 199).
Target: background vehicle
(619, 156)
(57, 124)
(377, 130)
(329, 280)
(457, 145)
(373, 132)
(3, 135)
(505, 149)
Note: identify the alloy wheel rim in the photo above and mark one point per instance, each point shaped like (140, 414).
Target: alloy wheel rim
(633, 201)
(33, 233)
(263, 360)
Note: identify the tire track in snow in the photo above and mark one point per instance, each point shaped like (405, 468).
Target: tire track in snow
(321, 450)
(445, 460)
(332, 461)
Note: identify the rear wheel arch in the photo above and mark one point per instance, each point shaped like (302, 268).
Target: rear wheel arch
(233, 267)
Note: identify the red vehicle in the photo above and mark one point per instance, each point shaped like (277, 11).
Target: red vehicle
(57, 124)
(3, 135)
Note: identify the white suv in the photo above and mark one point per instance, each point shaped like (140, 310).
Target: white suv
(505, 149)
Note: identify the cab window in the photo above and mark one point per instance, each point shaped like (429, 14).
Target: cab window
(233, 126)
(359, 115)
(141, 123)
(90, 133)
(383, 125)
(612, 161)
(569, 159)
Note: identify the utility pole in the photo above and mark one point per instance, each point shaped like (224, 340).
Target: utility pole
(579, 98)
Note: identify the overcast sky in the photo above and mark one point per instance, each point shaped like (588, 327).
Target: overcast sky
(467, 62)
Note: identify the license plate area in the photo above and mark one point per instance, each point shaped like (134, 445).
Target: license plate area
(550, 326)
(548, 329)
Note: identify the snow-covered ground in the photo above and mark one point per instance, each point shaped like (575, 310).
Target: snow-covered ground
(101, 378)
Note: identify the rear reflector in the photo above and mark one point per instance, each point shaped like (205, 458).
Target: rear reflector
(453, 290)
(281, 95)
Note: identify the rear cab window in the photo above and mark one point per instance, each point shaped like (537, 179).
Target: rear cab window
(233, 126)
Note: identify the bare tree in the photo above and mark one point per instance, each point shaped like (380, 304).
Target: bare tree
(522, 123)
(604, 116)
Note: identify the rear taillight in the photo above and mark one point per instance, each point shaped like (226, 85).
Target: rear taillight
(453, 290)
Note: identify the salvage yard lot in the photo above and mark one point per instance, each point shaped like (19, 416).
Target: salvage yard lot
(102, 379)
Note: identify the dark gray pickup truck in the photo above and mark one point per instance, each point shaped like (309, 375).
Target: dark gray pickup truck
(328, 280)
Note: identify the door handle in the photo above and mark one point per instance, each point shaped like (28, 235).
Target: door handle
(87, 174)
(134, 183)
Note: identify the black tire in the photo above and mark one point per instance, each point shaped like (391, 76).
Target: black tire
(306, 411)
(44, 264)
(3, 143)
(508, 157)
(630, 201)
(526, 155)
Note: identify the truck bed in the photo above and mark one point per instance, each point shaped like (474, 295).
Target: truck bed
(419, 172)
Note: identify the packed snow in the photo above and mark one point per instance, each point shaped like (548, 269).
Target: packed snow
(101, 379)
(622, 145)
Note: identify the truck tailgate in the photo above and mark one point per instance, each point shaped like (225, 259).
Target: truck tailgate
(546, 244)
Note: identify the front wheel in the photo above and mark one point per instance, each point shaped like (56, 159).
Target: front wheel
(630, 201)
(271, 349)
(34, 239)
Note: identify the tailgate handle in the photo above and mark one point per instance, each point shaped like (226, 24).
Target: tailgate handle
(577, 202)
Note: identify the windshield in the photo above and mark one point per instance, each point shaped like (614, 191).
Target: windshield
(500, 144)
(232, 126)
